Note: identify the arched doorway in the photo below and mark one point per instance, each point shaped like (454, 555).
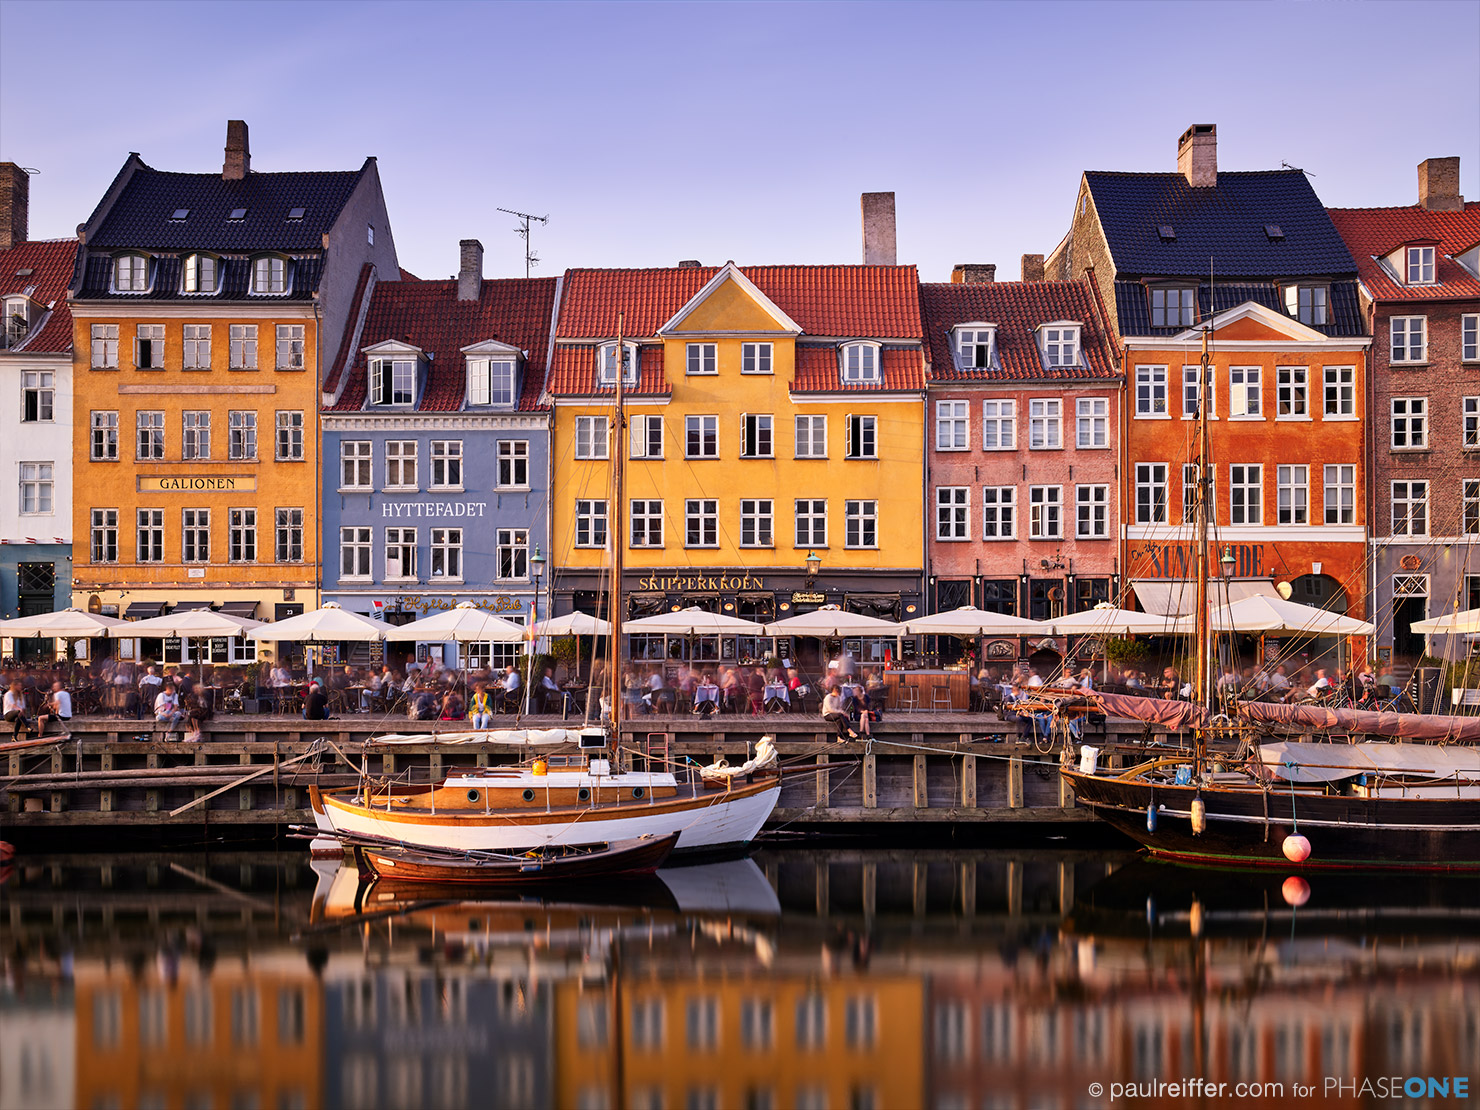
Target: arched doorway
(1320, 591)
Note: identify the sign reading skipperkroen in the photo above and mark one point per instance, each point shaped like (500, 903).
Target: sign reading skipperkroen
(198, 483)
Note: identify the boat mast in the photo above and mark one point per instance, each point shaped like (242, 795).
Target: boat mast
(614, 536)
(1202, 687)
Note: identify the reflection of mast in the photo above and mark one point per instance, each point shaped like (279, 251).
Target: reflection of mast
(619, 1071)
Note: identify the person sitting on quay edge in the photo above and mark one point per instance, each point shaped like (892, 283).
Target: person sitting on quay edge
(836, 713)
(421, 705)
(482, 707)
(167, 707)
(316, 704)
(861, 710)
(15, 708)
(58, 707)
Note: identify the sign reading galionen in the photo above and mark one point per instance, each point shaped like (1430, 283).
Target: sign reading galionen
(198, 483)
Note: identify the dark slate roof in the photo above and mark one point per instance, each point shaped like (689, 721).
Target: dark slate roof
(42, 269)
(1223, 225)
(1133, 307)
(141, 215)
(234, 274)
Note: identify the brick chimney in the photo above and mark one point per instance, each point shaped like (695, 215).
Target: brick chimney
(1031, 268)
(238, 154)
(470, 270)
(878, 229)
(1197, 155)
(1438, 185)
(15, 205)
(973, 273)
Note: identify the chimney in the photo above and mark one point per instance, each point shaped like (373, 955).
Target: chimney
(878, 229)
(15, 205)
(689, 264)
(238, 155)
(470, 270)
(1197, 155)
(1438, 185)
(1031, 268)
(973, 273)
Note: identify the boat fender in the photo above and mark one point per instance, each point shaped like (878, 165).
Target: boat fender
(1195, 918)
(1199, 816)
(1296, 848)
(541, 767)
(1184, 776)
(1151, 817)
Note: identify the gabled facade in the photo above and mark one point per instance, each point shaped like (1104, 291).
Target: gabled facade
(1022, 414)
(1420, 281)
(436, 449)
(772, 413)
(205, 305)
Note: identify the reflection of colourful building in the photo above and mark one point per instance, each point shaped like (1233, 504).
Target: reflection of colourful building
(37, 1048)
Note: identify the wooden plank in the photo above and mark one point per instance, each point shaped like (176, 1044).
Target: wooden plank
(870, 782)
(1015, 782)
(968, 781)
(151, 801)
(1066, 794)
(105, 801)
(824, 782)
(922, 795)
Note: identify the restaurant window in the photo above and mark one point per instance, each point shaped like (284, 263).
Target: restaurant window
(1000, 596)
(513, 552)
(1089, 592)
(447, 553)
(1045, 599)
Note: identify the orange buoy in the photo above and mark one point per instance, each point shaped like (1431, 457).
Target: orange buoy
(1297, 848)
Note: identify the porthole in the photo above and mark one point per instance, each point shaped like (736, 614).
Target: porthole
(583, 794)
(472, 795)
(528, 795)
(637, 792)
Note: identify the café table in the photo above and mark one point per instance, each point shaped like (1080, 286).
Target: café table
(703, 694)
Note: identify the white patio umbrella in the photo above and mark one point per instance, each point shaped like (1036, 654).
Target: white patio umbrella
(327, 625)
(834, 622)
(1463, 623)
(572, 624)
(695, 622)
(465, 623)
(1261, 613)
(1107, 620)
(194, 624)
(969, 621)
(66, 624)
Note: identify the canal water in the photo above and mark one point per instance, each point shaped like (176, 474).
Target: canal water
(803, 977)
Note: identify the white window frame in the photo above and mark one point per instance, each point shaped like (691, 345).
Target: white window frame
(1246, 393)
(104, 536)
(757, 435)
(814, 438)
(38, 388)
(1410, 507)
(149, 535)
(1409, 424)
(1190, 392)
(861, 363)
(398, 454)
(1419, 266)
(865, 434)
(1045, 424)
(104, 439)
(446, 552)
(1092, 423)
(241, 435)
(1469, 515)
(201, 274)
(1292, 393)
(1403, 350)
(645, 436)
(757, 358)
(241, 535)
(1092, 501)
(1469, 337)
(446, 455)
(810, 513)
(105, 346)
(1292, 484)
(999, 415)
(356, 551)
(291, 351)
(1060, 344)
(195, 535)
(149, 353)
(1151, 477)
(972, 338)
(757, 522)
(242, 346)
(195, 434)
(1045, 512)
(952, 425)
(289, 426)
(701, 517)
(512, 457)
(952, 513)
(492, 381)
(591, 523)
(701, 359)
(400, 549)
(1310, 304)
(393, 381)
(1470, 423)
(1151, 393)
(270, 277)
(1339, 392)
(356, 461)
(592, 437)
(999, 512)
(37, 489)
(1339, 493)
(149, 423)
(645, 522)
(1245, 494)
(287, 535)
(606, 365)
(860, 518)
(706, 429)
(131, 273)
(195, 347)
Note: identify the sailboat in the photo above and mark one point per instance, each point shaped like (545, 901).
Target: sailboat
(595, 797)
(1409, 798)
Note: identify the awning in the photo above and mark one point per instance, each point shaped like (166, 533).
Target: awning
(1176, 597)
(246, 609)
(190, 606)
(138, 610)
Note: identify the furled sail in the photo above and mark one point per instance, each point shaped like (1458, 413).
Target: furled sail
(1405, 726)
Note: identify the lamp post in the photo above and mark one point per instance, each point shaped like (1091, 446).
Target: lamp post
(814, 564)
(536, 571)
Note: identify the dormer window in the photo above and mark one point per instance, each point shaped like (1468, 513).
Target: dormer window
(1061, 344)
(200, 273)
(130, 273)
(606, 364)
(860, 363)
(973, 343)
(17, 321)
(270, 275)
(1420, 265)
(392, 381)
(491, 381)
(1173, 307)
(1308, 303)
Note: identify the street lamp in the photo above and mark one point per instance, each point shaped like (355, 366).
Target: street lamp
(1228, 560)
(536, 571)
(814, 564)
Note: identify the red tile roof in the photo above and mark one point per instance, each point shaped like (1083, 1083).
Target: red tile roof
(864, 302)
(427, 314)
(818, 371)
(573, 372)
(50, 262)
(1018, 308)
(1377, 232)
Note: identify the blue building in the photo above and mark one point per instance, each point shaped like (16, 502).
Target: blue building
(436, 450)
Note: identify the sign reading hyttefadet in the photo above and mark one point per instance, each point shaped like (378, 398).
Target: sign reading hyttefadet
(404, 509)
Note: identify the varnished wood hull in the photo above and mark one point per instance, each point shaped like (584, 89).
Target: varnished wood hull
(608, 861)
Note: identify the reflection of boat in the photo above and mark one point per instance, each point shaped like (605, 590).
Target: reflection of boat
(549, 864)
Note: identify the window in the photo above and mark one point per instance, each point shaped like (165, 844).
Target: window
(1341, 391)
(130, 273)
(447, 464)
(701, 437)
(200, 273)
(1470, 507)
(860, 362)
(703, 358)
(1409, 338)
(290, 437)
(755, 358)
(270, 275)
(1290, 392)
(647, 524)
(755, 438)
(289, 347)
(195, 434)
(811, 1021)
(1061, 346)
(974, 348)
(755, 522)
(1045, 425)
(1469, 337)
(1410, 508)
(150, 427)
(1093, 417)
(647, 1024)
(860, 524)
(1191, 393)
(1341, 494)
(241, 433)
(590, 523)
(242, 535)
(862, 442)
(811, 437)
(400, 464)
(1151, 493)
(195, 535)
(701, 522)
(606, 364)
(105, 346)
(646, 437)
(289, 534)
(811, 514)
(197, 347)
(1245, 391)
(1420, 265)
(354, 464)
(999, 425)
(1293, 484)
(447, 552)
(354, 553)
(1151, 390)
(17, 323)
(392, 381)
(400, 554)
(151, 535)
(1471, 413)
(1307, 303)
(513, 464)
(950, 425)
(1190, 473)
(104, 436)
(997, 512)
(951, 512)
(861, 1023)
(243, 347)
(37, 396)
(1245, 494)
(1410, 425)
(757, 1024)
(1045, 513)
(703, 1026)
(591, 437)
(36, 487)
(1093, 507)
(1171, 308)
(105, 535)
(149, 347)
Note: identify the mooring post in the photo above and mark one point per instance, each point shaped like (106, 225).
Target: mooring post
(968, 781)
(870, 782)
(922, 794)
(824, 784)
(1015, 782)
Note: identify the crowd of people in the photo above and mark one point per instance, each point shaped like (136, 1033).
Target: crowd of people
(1306, 685)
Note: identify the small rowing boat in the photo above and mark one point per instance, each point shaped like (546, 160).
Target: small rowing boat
(546, 864)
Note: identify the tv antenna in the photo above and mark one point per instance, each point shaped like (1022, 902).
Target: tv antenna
(530, 258)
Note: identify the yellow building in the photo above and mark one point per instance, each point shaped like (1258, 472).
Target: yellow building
(771, 414)
(204, 305)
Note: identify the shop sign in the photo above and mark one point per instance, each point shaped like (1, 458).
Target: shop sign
(404, 509)
(1178, 560)
(199, 483)
(502, 603)
(1002, 649)
(690, 582)
(1411, 562)
(809, 598)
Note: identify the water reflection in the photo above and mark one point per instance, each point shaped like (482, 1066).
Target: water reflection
(801, 978)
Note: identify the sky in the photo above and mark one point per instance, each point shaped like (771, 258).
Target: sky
(654, 132)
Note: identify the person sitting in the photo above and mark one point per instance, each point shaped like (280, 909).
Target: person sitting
(509, 690)
(167, 708)
(196, 711)
(482, 709)
(58, 707)
(861, 711)
(15, 708)
(551, 694)
(633, 696)
(661, 693)
(1320, 687)
(316, 704)
(755, 685)
(422, 704)
(452, 706)
(1171, 683)
(836, 713)
(149, 687)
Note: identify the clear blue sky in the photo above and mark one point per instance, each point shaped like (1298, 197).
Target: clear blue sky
(652, 132)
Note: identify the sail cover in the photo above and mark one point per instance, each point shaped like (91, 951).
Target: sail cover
(1404, 726)
(1172, 714)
